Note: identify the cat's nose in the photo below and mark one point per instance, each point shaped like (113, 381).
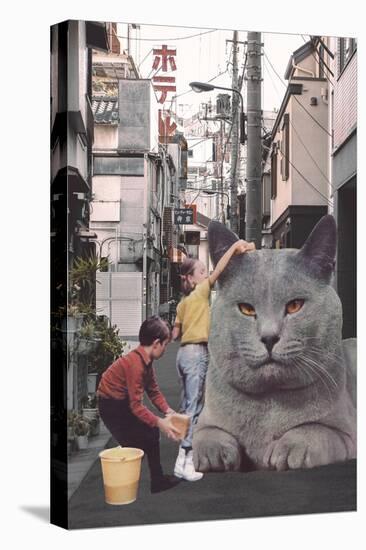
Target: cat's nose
(269, 340)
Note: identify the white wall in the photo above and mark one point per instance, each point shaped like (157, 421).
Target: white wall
(316, 141)
(105, 137)
(306, 136)
(284, 188)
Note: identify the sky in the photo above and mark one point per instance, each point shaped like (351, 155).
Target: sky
(203, 57)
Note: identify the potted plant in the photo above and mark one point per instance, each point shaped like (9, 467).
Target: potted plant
(81, 429)
(110, 346)
(91, 413)
(71, 415)
(89, 338)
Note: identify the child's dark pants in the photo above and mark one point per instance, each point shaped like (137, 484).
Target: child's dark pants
(129, 431)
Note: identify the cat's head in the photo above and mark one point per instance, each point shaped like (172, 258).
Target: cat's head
(276, 321)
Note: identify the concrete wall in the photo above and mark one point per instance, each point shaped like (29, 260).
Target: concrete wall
(54, 73)
(284, 188)
(105, 137)
(345, 103)
(315, 140)
(138, 113)
(129, 196)
(77, 68)
(308, 65)
(306, 136)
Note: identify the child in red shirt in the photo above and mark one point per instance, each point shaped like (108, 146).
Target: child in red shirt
(120, 394)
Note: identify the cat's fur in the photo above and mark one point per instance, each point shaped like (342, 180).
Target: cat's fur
(294, 406)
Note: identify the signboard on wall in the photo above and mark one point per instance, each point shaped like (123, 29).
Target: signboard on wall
(164, 84)
(183, 216)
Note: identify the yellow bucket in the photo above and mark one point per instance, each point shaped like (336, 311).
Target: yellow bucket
(121, 467)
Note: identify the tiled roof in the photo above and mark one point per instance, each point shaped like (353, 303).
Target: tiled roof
(105, 110)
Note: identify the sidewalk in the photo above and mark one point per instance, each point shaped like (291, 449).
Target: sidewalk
(80, 462)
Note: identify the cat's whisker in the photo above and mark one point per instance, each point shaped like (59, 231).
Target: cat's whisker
(321, 369)
(302, 371)
(318, 375)
(322, 353)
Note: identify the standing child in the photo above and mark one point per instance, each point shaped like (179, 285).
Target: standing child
(192, 326)
(120, 394)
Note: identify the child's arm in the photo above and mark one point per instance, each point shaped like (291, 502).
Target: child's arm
(239, 247)
(176, 332)
(177, 329)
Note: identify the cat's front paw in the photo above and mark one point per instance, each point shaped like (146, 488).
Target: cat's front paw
(305, 448)
(215, 451)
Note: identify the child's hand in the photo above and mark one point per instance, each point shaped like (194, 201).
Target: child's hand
(242, 246)
(166, 426)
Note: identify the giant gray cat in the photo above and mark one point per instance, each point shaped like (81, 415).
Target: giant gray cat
(280, 389)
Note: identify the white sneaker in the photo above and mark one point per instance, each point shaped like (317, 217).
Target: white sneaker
(189, 473)
(179, 463)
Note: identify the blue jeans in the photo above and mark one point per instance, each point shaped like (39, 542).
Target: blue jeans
(192, 363)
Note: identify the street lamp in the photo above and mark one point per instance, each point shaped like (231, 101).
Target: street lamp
(199, 87)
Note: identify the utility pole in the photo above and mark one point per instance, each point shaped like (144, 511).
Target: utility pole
(219, 214)
(235, 140)
(253, 229)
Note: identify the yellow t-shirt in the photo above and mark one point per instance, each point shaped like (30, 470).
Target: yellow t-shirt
(193, 314)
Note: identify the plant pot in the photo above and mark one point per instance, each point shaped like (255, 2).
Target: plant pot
(87, 346)
(82, 441)
(93, 416)
(70, 433)
(92, 382)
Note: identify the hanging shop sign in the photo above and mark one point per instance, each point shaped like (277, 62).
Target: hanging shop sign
(183, 216)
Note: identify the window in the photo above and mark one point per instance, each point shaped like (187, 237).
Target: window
(190, 153)
(346, 47)
(192, 243)
(274, 173)
(119, 166)
(285, 148)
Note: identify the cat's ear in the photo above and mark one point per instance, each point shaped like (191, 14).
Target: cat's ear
(220, 238)
(318, 252)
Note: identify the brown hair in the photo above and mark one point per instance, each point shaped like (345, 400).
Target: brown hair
(153, 328)
(186, 269)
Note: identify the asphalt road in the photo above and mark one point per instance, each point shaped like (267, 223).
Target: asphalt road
(218, 495)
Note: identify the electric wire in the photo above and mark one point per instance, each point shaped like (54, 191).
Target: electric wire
(162, 39)
(306, 180)
(301, 141)
(324, 65)
(295, 98)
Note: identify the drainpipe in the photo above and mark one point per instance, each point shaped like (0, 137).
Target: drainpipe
(115, 229)
(302, 69)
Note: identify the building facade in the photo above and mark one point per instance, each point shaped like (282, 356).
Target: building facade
(136, 182)
(343, 111)
(296, 167)
(72, 136)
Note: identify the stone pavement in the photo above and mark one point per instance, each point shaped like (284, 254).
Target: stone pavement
(80, 462)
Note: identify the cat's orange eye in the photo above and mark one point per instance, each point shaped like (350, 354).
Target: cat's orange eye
(247, 309)
(294, 306)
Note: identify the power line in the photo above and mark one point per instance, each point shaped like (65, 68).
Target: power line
(162, 39)
(146, 56)
(309, 183)
(303, 144)
(295, 98)
(320, 60)
(306, 180)
(310, 155)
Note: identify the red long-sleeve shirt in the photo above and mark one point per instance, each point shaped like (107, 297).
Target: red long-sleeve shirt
(129, 376)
